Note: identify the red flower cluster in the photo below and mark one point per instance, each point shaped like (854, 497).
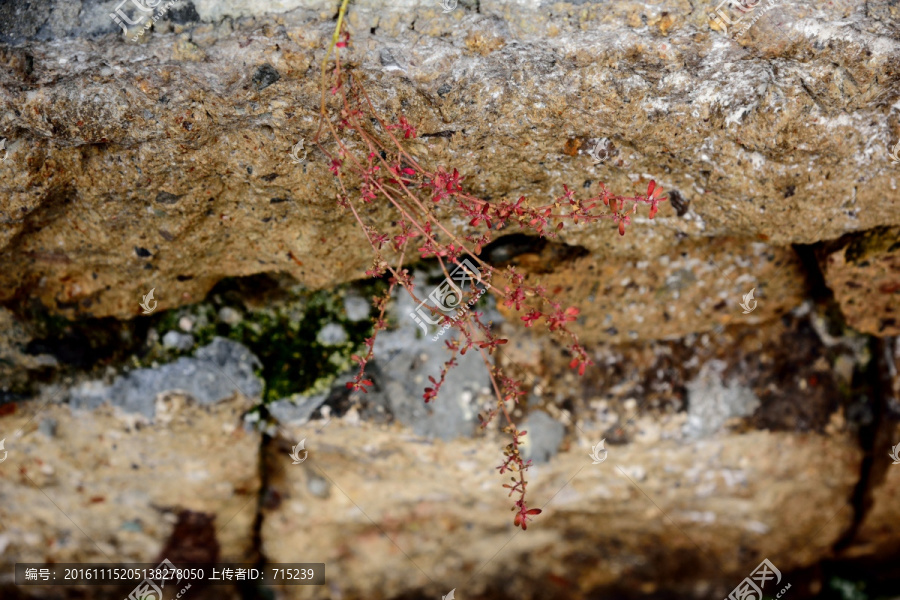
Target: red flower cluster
(377, 164)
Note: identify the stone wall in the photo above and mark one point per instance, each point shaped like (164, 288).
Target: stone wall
(164, 164)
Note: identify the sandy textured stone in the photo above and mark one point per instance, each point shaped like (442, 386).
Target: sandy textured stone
(695, 287)
(864, 274)
(104, 485)
(390, 514)
(165, 164)
(135, 166)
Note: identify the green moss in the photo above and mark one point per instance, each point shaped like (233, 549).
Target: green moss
(880, 240)
(281, 329)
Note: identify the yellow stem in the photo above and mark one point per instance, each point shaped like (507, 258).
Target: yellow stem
(334, 39)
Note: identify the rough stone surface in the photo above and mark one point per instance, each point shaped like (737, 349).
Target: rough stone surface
(756, 136)
(695, 287)
(217, 371)
(298, 410)
(107, 485)
(403, 516)
(874, 540)
(711, 404)
(544, 436)
(864, 273)
(164, 164)
(406, 359)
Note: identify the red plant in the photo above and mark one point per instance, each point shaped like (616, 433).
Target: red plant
(371, 165)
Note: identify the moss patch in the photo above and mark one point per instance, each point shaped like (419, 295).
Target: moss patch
(281, 326)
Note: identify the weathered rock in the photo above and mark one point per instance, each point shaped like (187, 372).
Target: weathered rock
(695, 287)
(15, 362)
(864, 274)
(516, 94)
(544, 436)
(218, 371)
(711, 404)
(106, 485)
(664, 513)
(164, 164)
(405, 360)
(403, 516)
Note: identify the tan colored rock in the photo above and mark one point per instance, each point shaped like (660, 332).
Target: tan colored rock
(127, 173)
(697, 287)
(864, 274)
(390, 514)
(107, 486)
